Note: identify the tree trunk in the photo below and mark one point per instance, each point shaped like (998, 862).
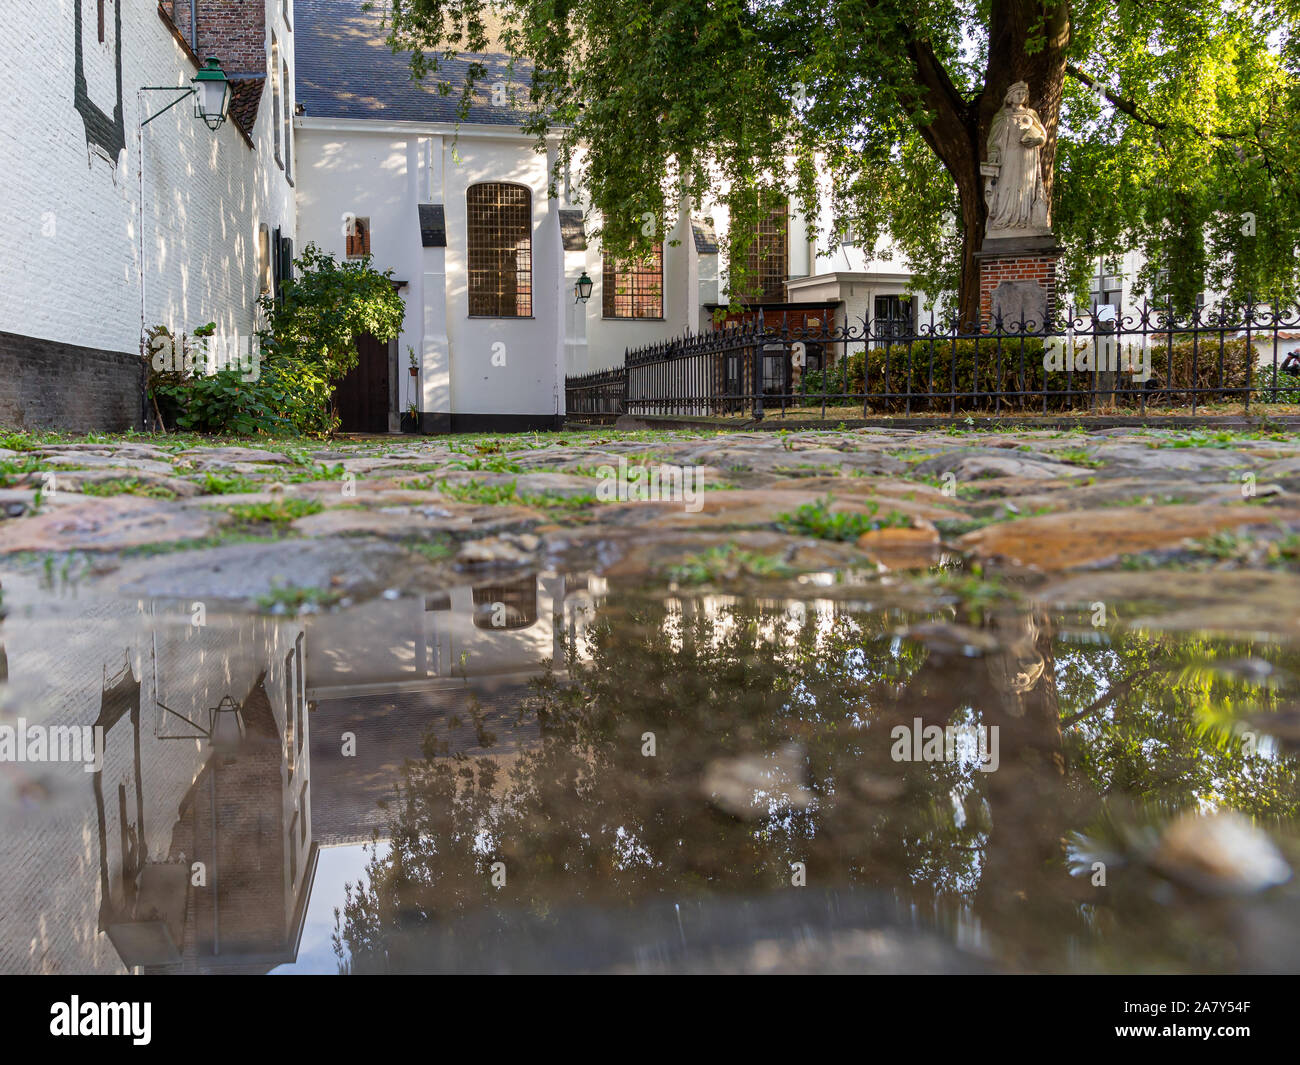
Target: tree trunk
(959, 129)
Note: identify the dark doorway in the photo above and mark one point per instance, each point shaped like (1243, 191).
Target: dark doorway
(362, 396)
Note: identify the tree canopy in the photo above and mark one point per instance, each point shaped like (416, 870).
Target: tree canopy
(1172, 123)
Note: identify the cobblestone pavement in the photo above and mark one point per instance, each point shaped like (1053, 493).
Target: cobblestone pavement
(1133, 570)
(351, 518)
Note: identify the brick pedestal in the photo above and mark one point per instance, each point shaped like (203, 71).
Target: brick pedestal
(1007, 275)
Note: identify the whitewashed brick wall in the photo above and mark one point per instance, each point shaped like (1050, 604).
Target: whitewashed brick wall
(70, 267)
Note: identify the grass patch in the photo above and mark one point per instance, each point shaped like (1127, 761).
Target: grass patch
(1221, 439)
(13, 471)
(1077, 456)
(277, 515)
(221, 539)
(496, 464)
(314, 472)
(726, 563)
(294, 600)
(1148, 500)
(433, 550)
(127, 486)
(817, 519)
(961, 526)
(960, 490)
(17, 440)
(228, 484)
(506, 493)
(499, 494)
(973, 587)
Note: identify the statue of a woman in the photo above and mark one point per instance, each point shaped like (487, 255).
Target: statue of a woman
(1017, 200)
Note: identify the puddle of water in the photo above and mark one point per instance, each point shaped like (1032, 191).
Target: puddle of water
(565, 774)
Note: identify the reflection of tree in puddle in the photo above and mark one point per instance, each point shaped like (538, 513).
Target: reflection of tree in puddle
(1094, 729)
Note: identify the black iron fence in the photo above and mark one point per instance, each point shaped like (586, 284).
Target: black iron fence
(599, 396)
(1093, 360)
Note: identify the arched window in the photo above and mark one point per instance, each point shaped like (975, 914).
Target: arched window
(500, 244)
(358, 230)
(634, 289)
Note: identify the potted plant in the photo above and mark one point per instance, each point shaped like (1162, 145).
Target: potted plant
(411, 418)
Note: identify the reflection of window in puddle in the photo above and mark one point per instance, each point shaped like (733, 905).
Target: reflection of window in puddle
(509, 605)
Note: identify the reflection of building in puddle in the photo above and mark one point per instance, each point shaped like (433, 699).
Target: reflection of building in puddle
(182, 854)
(361, 743)
(503, 627)
(392, 675)
(97, 869)
(247, 820)
(777, 619)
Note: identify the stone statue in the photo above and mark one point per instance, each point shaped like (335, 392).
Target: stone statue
(1014, 190)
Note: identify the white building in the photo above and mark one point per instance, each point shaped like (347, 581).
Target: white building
(121, 218)
(113, 226)
(459, 208)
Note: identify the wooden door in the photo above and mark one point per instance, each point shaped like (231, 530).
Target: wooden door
(362, 396)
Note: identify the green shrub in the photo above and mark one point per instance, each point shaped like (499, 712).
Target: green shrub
(1187, 365)
(283, 397)
(308, 347)
(327, 305)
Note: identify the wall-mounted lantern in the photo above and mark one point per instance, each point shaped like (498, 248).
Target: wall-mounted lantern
(212, 94)
(211, 91)
(224, 732)
(582, 288)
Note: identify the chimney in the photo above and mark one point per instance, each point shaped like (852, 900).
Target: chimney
(234, 31)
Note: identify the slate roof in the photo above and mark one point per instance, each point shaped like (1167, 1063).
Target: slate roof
(706, 243)
(571, 230)
(433, 225)
(345, 69)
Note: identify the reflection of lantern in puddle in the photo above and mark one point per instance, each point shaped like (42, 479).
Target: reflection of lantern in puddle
(509, 605)
(227, 731)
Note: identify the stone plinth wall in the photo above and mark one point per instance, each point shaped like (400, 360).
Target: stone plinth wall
(45, 384)
(1037, 267)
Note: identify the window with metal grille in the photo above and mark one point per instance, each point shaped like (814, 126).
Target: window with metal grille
(776, 369)
(500, 247)
(765, 262)
(634, 289)
(358, 237)
(1107, 291)
(894, 317)
(506, 606)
